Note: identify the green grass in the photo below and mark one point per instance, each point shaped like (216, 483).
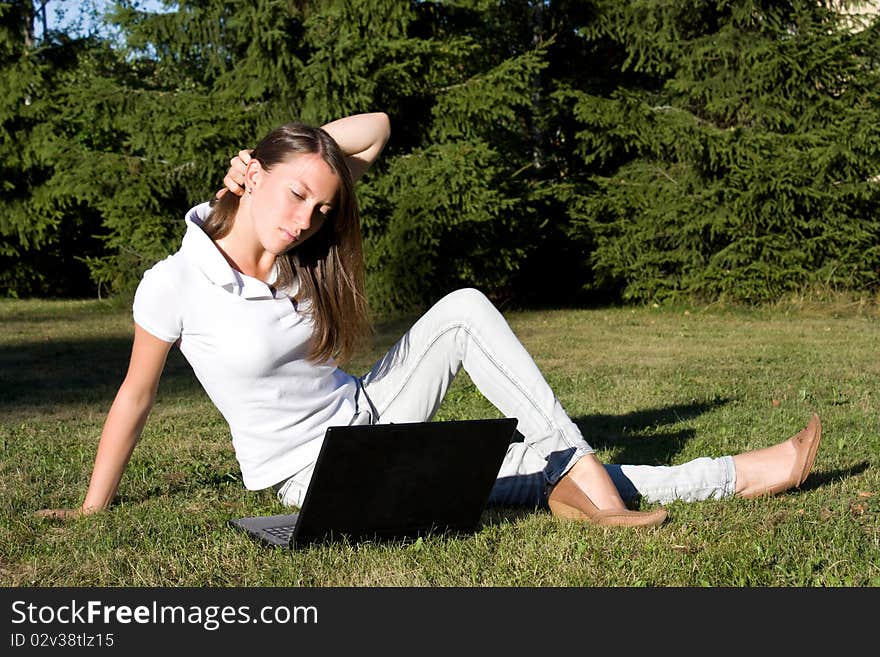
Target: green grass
(646, 385)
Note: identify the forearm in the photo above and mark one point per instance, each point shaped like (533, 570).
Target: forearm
(122, 430)
(361, 137)
(360, 132)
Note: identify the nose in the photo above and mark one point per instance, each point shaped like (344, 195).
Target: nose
(304, 218)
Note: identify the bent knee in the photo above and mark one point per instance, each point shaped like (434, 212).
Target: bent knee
(468, 297)
(467, 303)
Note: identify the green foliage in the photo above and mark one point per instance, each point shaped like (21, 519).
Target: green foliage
(740, 162)
(358, 52)
(546, 152)
(456, 212)
(437, 207)
(43, 228)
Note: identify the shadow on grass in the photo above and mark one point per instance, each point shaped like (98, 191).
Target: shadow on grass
(638, 437)
(819, 478)
(55, 372)
(39, 374)
(194, 484)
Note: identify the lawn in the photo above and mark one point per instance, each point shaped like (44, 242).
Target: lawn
(645, 385)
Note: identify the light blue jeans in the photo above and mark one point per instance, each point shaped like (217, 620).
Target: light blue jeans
(465, 330)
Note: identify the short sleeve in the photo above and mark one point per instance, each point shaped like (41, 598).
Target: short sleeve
(156, 308)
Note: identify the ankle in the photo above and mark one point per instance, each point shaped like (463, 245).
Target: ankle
(590, 476)
(763, 469)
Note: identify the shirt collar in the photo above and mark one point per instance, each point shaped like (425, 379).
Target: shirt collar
(201, 251)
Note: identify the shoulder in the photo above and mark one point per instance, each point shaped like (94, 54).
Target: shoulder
(157, 306)
(171, 271)
(164, 273)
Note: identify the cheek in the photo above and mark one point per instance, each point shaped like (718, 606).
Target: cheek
(268, 205)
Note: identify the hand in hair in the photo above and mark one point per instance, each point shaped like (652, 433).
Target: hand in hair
(234, 178)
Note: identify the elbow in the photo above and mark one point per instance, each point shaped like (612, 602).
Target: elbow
(138, 398)
(383, 127)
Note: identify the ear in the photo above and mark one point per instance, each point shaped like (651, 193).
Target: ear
(253, 174)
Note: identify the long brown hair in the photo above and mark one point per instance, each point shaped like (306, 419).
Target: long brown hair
(329, 266)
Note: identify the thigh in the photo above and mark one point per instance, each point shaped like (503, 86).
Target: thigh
(408, 383)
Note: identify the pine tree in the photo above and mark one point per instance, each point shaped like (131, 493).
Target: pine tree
(452, 207)
(639, 150)
(447, 205)
(733, 155)
(44, 230)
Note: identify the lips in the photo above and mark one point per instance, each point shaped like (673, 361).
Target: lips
(288, 236)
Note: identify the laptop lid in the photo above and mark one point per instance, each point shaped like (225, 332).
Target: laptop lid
(395, 481)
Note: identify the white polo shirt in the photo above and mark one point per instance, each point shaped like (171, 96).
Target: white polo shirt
(247, 347)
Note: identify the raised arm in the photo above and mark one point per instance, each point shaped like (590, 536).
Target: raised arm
(362, 137)
(124, 423)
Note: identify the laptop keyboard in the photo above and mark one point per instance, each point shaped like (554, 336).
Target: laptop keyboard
(284, 533)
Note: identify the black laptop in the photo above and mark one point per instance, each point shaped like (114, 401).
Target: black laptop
(393, 481)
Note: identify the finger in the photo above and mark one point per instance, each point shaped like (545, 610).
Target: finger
(57, 514)
(241, 160)
(220, 193)
(233, 185)
(236, 173)
(238, 169)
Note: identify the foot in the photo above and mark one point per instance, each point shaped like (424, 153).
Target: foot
(591, 477)
(572, 498)
(776, 469)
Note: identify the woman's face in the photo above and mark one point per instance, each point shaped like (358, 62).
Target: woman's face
(290, 203)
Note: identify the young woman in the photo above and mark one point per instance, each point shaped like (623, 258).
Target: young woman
(266, 296)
